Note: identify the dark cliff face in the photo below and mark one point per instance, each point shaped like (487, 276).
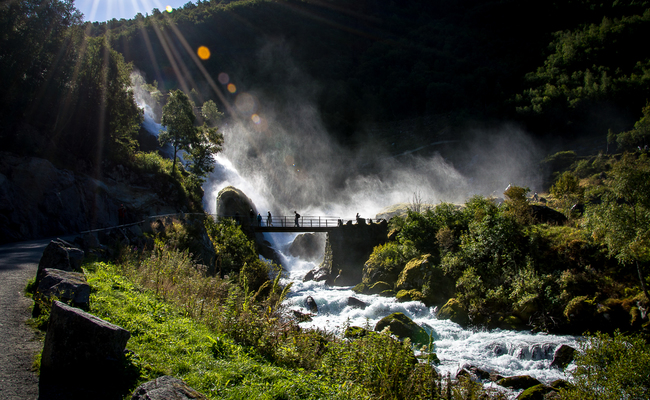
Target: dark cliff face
(39, 200)
(348, 248)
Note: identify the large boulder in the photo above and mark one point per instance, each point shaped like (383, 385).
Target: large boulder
(537, 392)
(308, 246)
(403, 327)
(518, 382)
(544, 214)
(62, 255)
(166, 388)
(455, 312)
(82, 351)
(69, 287)
(415, 274)
(233, 203)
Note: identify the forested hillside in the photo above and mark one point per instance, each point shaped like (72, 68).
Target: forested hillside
(560, 67)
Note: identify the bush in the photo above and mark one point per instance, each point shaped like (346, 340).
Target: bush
(611, 367)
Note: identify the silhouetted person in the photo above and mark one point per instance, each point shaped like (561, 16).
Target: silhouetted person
(297, 218)
(259, 219)
(269, 219)
(251, 215)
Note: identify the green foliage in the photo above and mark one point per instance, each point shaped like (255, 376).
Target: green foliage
(516, 204)
(233, 248)
(386, 370)
(637, 138)
(611, 367)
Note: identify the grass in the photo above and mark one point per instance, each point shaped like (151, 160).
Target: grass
(166, 341)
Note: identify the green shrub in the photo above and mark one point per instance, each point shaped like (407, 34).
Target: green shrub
(611, 367)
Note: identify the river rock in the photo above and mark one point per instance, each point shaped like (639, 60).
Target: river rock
(518, 382)
(403, 327)
(82, 351)
(379, 287)
(563, 356)
(69, 287)
(166, 388)
(415, 273)
(455, 312)
(356, 303)
(544, 214)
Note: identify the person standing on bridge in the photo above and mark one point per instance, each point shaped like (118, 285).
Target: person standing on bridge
(269, 219)
(259, 219)
(297, 218)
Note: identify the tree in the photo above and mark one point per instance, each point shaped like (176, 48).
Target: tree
(622, 219)
(199, 143)
(178, 117)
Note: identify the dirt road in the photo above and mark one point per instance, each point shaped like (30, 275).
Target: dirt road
(18, 343)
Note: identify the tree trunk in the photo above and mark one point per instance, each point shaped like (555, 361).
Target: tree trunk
(643, 287)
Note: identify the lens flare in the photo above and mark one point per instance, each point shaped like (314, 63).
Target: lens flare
(232, 88)
(203, 53)
(223, 78)
(246, 104)
(256, 119)
(169, 9)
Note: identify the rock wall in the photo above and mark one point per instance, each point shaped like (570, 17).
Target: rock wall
(39, 200)
(348, 248)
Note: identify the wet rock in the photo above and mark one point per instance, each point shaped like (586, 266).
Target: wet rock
(166, 388)
(301, 317)
(354, 302)
(403, 327)
(409, 295)
(563, 357)
(518, 382)
(455, 312)
(415, 273)
(310, 304)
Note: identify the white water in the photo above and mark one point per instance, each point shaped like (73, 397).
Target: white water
(507, 353)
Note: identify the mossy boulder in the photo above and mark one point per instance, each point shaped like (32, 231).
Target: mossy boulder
(518, 382)
(415, 274)
(537, 392)
(511, 322)
(455, 312)
(403, 327)
(379, 287)
(409, 295)
(361, 288)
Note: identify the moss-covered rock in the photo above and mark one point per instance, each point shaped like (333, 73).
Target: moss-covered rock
(511, 322)
(409, 295)
(455, 312)
(403, 327)
(537, 392)
(518, 382)
(415, 274)
(379, 287)
(361, 288)
(387, 293)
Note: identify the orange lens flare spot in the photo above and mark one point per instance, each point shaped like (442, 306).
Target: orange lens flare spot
(169, 9)
(203, 53)
(232, 88)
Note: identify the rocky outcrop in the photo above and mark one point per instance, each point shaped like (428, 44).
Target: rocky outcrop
(403, 327)
(38, 199)
(346, 251)
(81, 353)
(544, 214)
(166, 388)
(518, 382)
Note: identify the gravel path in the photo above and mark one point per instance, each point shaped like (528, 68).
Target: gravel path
(18, 342)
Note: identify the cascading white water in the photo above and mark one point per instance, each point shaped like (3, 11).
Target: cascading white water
(507, 353)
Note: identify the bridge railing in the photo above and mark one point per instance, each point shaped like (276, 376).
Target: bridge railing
(289, 221)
